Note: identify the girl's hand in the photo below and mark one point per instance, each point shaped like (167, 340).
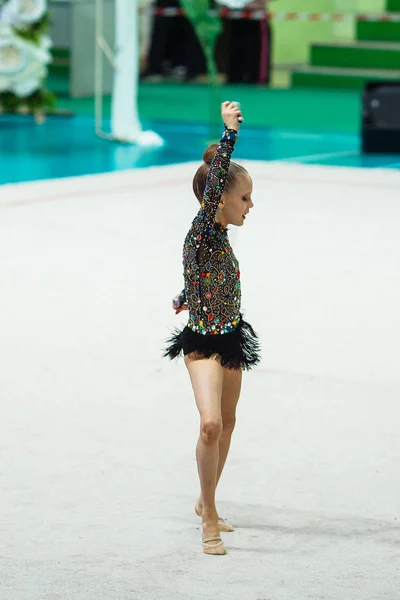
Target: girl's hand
(230, 114)
(180, 308)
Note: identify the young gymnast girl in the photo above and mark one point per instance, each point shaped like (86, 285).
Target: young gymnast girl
(217, 343)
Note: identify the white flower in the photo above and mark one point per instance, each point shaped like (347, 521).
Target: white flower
(23, 64)
(21, 13)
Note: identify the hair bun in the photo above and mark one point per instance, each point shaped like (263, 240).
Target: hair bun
(210, 153)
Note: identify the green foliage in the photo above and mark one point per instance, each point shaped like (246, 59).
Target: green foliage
(9, 102)
(40, 100)
(207, 27)
(36, 30)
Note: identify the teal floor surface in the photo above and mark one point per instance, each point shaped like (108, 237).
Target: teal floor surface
(68, 146)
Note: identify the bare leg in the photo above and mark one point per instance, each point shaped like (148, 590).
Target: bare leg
(232, 381)
(230, 397)
(207, 381)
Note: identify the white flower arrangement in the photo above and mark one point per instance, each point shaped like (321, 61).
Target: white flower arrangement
(23, 64)
(24, 55)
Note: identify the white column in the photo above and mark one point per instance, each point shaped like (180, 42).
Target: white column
(125, 124)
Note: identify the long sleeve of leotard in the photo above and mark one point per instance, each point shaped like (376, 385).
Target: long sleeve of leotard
(216, 178)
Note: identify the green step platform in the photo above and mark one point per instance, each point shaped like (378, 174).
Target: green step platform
(61, 53)
(393, 6)
(358, 55)
(374, 56)
(378, 31)
(331, 77)
(61, 61)
(59, 72)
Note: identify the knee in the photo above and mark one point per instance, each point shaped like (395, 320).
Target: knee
(211, 430)
(228, 426)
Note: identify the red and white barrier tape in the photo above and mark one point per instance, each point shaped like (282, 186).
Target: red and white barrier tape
(259, 15)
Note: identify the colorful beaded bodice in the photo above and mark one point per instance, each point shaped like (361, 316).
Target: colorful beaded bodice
(211, 271)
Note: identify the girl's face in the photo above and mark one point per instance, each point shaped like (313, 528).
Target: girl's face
(236, 203)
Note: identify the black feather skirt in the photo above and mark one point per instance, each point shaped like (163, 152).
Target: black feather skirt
(238, 350)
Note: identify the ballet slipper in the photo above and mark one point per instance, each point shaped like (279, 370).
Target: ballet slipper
(213, 549)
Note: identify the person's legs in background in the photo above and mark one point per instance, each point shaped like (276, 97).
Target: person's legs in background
(195, 59)
(175, 48)
(266, 52)
(175, 53)
(241, 51)
(161, 33)
(249, 56)
(185, 52)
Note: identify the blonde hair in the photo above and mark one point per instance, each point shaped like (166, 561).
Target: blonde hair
(200, 178)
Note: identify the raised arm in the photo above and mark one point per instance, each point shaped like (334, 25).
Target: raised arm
(220, 164)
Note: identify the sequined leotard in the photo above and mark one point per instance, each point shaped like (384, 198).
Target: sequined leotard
(211, 271)
(212, 281)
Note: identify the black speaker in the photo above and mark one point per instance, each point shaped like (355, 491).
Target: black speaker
(381, 117)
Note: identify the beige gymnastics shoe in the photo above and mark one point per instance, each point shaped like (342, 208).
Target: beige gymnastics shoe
(214, 549)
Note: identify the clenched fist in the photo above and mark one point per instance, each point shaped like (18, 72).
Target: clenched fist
(230, 114)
